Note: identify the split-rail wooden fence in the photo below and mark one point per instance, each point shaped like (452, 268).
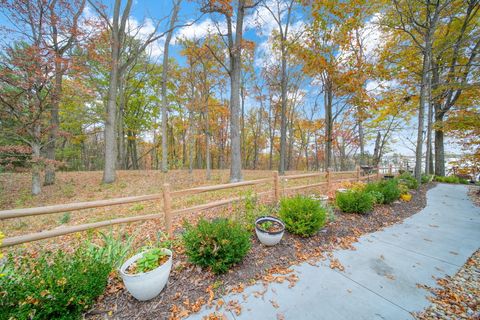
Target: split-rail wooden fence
(167, 195)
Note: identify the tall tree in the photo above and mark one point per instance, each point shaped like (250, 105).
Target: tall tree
(171, 24)
(234, 43)
(281, 12)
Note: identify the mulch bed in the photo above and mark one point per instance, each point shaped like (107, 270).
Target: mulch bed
(190, 287)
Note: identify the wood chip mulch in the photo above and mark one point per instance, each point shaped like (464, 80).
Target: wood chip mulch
(190, 287)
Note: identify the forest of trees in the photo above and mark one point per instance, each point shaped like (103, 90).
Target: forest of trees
(335, 84)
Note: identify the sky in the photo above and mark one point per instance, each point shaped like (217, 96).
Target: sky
(145, 14)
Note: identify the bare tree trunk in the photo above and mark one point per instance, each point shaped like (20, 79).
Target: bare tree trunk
(109, 174)
(328, 123)
(439, 143)
(121, 125)
(117, 32)
(376, 150)
(421, 110)
(361, 140)
(428, 155)
(235, 71)
(207, 143)
(54, 124)
(173, 19)
(36, 183)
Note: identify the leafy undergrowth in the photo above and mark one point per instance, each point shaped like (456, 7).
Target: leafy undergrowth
(457, 297)
(191, 287)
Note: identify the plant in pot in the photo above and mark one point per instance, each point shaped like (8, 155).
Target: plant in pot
(146, 274)
(269, 230)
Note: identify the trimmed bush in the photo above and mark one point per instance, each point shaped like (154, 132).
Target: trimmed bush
(53, 286)
(409, 180)
(389, 189)
(354, 201)
(218, 244)
(303, 216)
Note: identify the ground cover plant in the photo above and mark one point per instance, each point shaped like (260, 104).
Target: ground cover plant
(451, 179)
(55, 285)
(302, 215)
(217, 244)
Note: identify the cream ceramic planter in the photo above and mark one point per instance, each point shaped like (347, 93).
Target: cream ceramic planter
(147, 285)
(269, 238)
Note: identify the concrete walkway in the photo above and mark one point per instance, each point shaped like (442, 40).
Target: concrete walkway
(380, 278)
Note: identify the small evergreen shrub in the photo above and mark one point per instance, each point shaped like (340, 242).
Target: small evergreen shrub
(409, 180)
(390, 189)
(218, 244)
(377, 196)
(303, 216)
(53, 286)
(354, 201)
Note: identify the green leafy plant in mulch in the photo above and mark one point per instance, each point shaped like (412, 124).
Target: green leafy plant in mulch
(377, 196)
(218, 244)
(354, 201)
(303, 216)
(409, 180)
(55, 285)
(389, 188)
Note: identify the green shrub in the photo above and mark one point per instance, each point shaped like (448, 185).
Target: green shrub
(377, 196)
(449, 179)
(354, 201)
(389, 189)
(426, 178)
(217, 244)
(303, 216)
(403, 188)
(409, 180)
(53, 286)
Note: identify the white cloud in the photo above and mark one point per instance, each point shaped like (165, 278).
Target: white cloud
(143, 31)
(199, 30)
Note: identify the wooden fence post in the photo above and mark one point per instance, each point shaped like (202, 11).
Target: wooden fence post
(329, 180)
(390, 171)
(358, 172)
(167, 208)
(276, 187)
(378, 172)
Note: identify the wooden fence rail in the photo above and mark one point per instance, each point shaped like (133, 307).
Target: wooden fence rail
(167, 197)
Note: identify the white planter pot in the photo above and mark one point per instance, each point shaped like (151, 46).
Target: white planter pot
(323, 200)
(147, 285)
(269, 238)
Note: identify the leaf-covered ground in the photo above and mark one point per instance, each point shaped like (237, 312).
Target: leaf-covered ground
(457, 297)
(190, 287)
(87, 186)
